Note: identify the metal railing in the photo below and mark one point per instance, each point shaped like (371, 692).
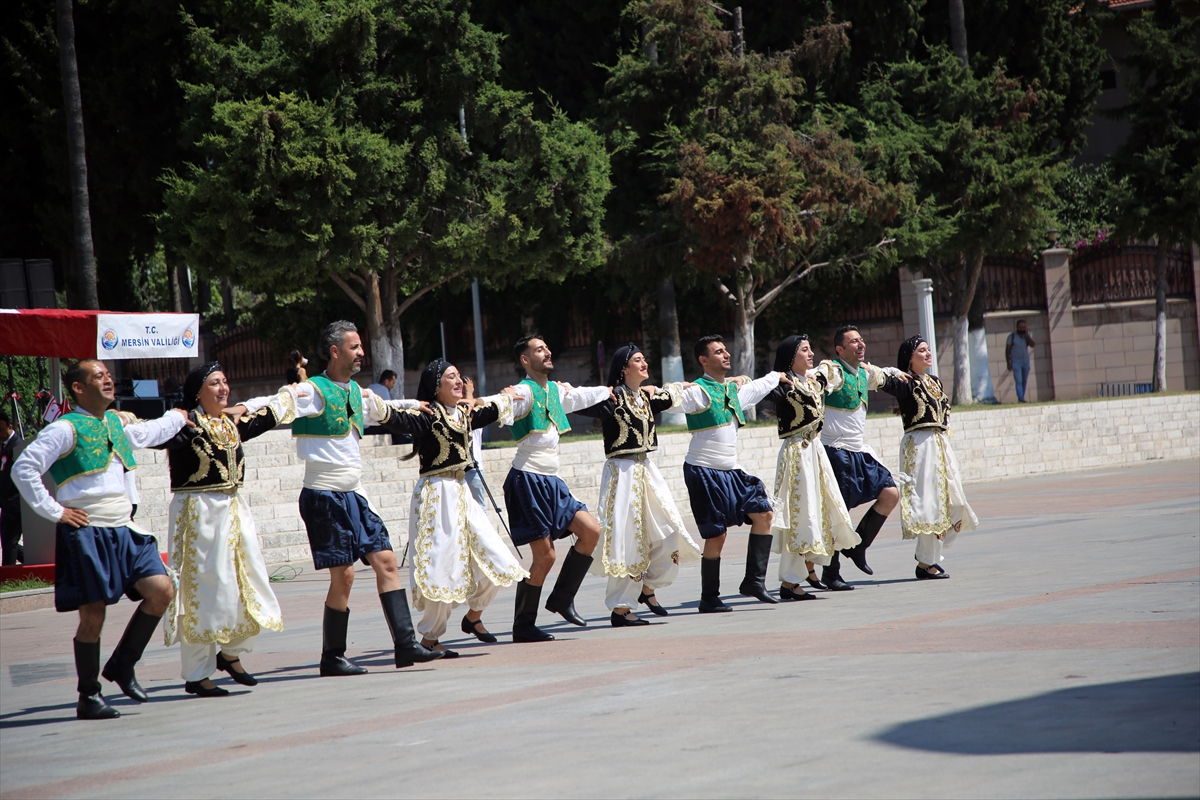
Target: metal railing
(1124, 389)
(1113, 272)
(1007, 283)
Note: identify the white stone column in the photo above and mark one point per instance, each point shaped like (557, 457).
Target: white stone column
(924, 289)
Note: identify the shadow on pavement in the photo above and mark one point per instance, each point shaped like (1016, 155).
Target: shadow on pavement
(1152, 715)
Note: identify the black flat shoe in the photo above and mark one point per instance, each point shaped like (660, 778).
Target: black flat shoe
(815, 582)
(791, 594)
(654, 607)
(627, 620)
(839, 585)
(244, 678)
(926, 575)
(472, 628)
(94, 706)
(197, 688)
(713, 606)
(445, 651)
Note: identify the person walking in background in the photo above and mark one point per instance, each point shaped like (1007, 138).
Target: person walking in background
(387, 382)
(1016, 355)
(295, 371)
(933, 506)
(10, 498)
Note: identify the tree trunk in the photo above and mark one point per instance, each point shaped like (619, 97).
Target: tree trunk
(743, 338)
(181, 289)
(227, 309)
(81, 220)
(1160, 315)
(958, 31)
(981, 368)
(383, 328)
(967, 278)
(669, 346)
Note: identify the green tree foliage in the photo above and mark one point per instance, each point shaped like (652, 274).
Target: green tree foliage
(766, 186)
(331, 150)
(964, 143)
(1087, 209)
(1159, 163)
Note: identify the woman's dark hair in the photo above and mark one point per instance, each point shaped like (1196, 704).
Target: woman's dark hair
(785, 355)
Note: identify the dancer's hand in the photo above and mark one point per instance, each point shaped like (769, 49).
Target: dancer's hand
(510, 391)
(186, 419)
(740, 380)
(75, 517)
(650, 390)
(425, 408)
(235, 411)
(784, 379)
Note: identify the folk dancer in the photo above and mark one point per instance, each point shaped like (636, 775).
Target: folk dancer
(99, 553)
(342, 526)
(224, 597)
(933, 505)
(721, 494)
(861, 476)
(540, 507)
(457, 556)
(643, 538)
(810, 519)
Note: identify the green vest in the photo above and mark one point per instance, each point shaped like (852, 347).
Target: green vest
(342, 408)
(96, 442)
(853, 392)
(723, 406)
(546, 408)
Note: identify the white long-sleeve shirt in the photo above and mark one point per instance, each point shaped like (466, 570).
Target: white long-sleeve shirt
(344, 451)
(843, 430)
(57, 439)
(716, 448)
(538, 452)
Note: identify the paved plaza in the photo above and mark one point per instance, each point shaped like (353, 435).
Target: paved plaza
(1062, 659)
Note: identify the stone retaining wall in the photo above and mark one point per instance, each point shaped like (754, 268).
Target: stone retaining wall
(993, 444)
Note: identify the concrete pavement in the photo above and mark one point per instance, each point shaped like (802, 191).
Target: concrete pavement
(1062, 659)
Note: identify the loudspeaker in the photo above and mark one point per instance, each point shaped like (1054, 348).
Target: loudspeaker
(39, 277)
(13, 292)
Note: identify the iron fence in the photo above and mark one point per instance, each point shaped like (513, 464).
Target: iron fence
(1114, 272)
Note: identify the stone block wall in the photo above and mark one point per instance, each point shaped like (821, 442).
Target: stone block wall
(992, 444)
(1115, 344)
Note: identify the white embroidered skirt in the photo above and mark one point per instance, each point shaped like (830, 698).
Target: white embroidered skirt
(810, 515)
(636, 509)
(447, 528)
(224, 592)
(932, 500)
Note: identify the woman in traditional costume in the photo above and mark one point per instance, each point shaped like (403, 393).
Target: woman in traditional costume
(933, 505)
(811, 522)
(642, 537)
(224, 597)
(456, 555)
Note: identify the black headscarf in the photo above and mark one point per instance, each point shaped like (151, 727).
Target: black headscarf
(620, 360)
(904, 359)
(785, 354)
(431, 378)
(195, 382)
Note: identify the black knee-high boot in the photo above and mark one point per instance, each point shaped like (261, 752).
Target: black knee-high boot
(758, 556)
(333, 645)
(710, 587)
(92, 704)
(119, 668)
(570, 578)
(831, 575)
(524, 627)
(868, 529)
(408, 650)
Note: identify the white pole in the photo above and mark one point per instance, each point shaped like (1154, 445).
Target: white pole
(924, 287)
(480, 367)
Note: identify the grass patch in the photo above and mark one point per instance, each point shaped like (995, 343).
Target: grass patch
(24, 585)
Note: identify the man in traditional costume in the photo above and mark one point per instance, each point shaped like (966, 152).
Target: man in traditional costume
(643, 538)
(861, 476)
(721, 494)
(224, 598)
(99, 553)
(933, 505)
(457, 556)
(541, 508)
(342, 526)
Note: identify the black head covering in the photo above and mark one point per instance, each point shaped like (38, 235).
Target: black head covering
(904, 359)
(620, 360)
(785, 354)
(431, 377)
(195, 382)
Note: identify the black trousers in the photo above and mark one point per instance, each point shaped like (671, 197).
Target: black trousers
(10, 534)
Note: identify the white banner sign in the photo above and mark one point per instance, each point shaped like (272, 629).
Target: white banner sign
(147, 335)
